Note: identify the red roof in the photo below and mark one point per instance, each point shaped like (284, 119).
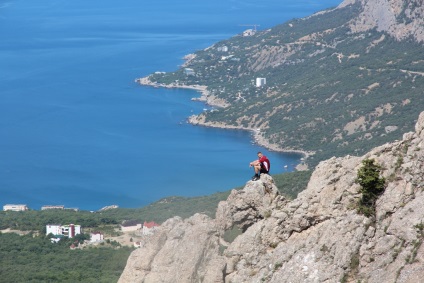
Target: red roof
(150, 224)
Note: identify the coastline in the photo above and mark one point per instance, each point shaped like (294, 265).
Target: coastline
(205, 97)
(258, 138)
(211, 100)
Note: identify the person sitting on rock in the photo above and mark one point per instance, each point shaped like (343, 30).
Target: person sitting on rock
(262, 165)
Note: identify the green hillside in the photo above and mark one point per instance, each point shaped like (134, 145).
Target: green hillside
(329, 90)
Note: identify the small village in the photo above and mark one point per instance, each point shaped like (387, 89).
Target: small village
(129, 233)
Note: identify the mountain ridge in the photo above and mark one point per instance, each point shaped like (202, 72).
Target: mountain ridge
(339, 82)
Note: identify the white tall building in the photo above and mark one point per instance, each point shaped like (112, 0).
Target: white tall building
(260, 82)
(69, 231)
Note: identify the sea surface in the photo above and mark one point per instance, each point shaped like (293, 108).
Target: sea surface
(76, 130)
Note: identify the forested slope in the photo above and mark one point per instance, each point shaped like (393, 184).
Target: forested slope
(339, 82)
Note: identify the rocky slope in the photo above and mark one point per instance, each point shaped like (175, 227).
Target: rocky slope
(318, 237)
(400, 19)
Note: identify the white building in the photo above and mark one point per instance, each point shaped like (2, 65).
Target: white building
(15, 207)
(45, 207)
(54, 229)
(72, 208)
(54, 240)
(131, 228)
(249, 32)
(223, 48)
(189, 72)
(260, 82)
(96, 237)
(69, 231)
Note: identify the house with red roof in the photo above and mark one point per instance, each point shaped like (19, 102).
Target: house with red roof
(149, 227)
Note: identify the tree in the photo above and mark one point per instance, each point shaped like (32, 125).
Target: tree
(372, 186)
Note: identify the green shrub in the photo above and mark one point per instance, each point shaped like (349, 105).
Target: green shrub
(372, 186)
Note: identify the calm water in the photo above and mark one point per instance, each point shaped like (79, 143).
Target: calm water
(76, 130)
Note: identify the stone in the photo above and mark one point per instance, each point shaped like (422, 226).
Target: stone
(317, 237)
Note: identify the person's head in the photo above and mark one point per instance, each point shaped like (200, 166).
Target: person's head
(260, 154)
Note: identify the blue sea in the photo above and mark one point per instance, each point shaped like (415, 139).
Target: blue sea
(76, 130)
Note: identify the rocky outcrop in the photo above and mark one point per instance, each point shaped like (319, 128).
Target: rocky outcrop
(190, 250)
(246, 207)
(401, 19)
(179, 251)
(318, 237)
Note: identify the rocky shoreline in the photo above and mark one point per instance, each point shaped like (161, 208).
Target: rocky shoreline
(258, 138)
(211, 100)
(205, 97)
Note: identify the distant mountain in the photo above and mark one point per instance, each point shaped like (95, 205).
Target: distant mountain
(338, 82)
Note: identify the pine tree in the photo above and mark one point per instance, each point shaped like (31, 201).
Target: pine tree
(372, 186)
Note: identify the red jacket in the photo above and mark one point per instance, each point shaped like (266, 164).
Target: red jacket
(265, 163)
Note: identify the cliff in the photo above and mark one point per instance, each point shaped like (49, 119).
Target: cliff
(259, 236)
(400, 19)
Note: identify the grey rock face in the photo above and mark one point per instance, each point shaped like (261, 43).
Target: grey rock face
(190, 250)
(318, 237)
(399, 18)
(245, 207)
(180, 251)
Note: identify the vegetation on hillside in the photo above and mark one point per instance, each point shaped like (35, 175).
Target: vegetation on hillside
(32, 258)
(328, 90)
(372, 186)
(289, 184)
